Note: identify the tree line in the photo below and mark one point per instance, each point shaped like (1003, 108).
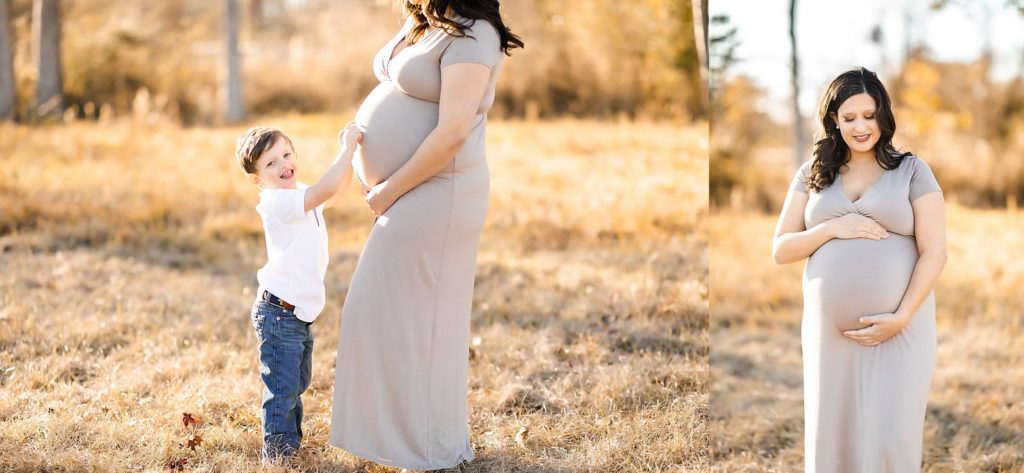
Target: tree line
(202, 62)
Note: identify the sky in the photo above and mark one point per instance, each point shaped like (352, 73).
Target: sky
(834, 35)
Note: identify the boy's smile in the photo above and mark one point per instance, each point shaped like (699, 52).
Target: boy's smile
(276, 168)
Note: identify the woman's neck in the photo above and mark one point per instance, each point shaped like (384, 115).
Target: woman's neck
(862, 157)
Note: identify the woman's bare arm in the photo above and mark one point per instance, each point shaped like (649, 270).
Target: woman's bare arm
(930, 233)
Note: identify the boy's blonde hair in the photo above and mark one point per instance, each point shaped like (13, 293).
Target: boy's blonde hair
(255, 142)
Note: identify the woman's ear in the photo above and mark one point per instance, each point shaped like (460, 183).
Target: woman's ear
(835, 118)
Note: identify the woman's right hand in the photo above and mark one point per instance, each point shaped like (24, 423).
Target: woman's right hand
(855, 225)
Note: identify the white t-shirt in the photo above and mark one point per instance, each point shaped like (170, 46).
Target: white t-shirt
(296, 250)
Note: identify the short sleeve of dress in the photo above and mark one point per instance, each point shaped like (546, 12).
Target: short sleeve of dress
(482, 45)
(799, 182)
(288, 206)
(922, 181)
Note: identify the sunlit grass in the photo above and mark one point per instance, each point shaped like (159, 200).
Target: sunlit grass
(975, 413)
(129, 257)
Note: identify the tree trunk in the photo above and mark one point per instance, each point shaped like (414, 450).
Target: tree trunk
(8, 99)
(255, 14)
(235, 105)
(794, 79)
(50, 85)
(700, 32)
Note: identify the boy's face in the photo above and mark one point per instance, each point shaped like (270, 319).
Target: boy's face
(277, 167)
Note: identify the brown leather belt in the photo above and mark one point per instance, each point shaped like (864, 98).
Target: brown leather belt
(267, 296)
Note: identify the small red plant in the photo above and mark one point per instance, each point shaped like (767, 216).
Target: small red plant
(177, 464)
(187, 419)
(192, 440)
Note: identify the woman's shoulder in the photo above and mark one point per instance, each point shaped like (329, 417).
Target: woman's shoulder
(479, 28)
(913, 162)
(407, 24)
(805, 168)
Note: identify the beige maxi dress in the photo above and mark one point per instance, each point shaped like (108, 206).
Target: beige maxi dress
(864, 407)
(402, 366)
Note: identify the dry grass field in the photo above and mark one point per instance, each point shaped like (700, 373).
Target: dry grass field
(129, 252)
(975, 417)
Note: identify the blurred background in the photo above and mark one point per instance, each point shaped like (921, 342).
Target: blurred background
(955, 73)
(954, 69)
(129, 240)
(173, 58)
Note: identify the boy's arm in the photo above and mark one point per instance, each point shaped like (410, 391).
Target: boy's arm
(345, 182)
(339, 173)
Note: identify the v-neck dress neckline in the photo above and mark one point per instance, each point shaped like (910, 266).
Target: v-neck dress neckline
(394, 52)
(839, 186)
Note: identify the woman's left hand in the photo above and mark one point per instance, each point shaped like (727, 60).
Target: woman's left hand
(881, 328)
(380, 198)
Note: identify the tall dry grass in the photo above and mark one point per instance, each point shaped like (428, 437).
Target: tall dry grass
(129, 256)
(975, 417)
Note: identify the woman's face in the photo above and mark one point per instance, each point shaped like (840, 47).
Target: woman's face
(857, 123)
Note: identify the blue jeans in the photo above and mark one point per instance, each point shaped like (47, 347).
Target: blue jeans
(286, 366)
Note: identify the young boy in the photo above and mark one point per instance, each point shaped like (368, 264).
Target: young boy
(291, 284)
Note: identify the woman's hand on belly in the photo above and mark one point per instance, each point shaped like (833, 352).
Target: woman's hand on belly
(380, 198)
(854, 225)
(883, 327)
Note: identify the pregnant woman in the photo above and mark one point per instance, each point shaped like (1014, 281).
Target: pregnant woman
(402, 366)
(871, 223)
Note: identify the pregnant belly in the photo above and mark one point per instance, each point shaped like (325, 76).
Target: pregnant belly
(395, 125)
(848, 279)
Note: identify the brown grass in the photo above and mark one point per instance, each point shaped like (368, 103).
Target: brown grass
(975, 419)
(129, 256)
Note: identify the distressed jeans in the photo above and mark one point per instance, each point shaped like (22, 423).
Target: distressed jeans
(286, 366)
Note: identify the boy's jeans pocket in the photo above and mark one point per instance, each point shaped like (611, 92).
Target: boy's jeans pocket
(258, 315)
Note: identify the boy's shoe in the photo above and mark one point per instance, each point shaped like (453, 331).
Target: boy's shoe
(267, 461)
(279, 456)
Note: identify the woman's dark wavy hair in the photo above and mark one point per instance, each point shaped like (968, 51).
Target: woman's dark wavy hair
(433, 13)
(830, 151)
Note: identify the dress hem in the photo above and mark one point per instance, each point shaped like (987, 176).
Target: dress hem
(465, 457)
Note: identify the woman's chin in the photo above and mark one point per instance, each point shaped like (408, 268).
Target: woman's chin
(857, 147)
